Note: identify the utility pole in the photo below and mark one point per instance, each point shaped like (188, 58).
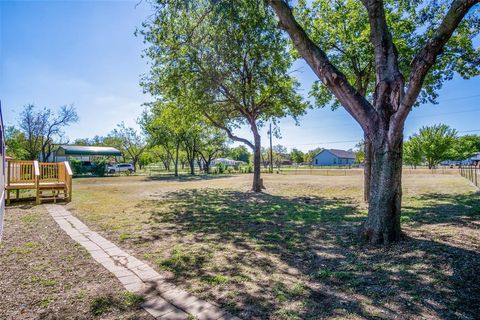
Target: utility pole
(271, 149)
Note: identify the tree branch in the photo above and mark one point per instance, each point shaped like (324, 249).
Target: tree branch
(386, 57)
(427, 56)
(229, 132)
(360, 109)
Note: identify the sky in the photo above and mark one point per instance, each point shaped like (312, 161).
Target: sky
(55, 53)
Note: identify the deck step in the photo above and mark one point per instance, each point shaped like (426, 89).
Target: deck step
(52, 193)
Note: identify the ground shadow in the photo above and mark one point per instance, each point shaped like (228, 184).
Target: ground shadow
(186, 177)
(460, 209)
(338, 276)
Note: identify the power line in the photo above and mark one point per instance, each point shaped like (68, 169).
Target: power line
(349, 141)
(444, 113)
(319, 143)
(459, 98)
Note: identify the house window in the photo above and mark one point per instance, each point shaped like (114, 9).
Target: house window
(316, 161)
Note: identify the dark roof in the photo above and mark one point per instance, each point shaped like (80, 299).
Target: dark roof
(89, 150)
(342, 153)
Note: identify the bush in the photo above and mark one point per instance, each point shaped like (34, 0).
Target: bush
(220, 168)
(77, 167)
(98, 167)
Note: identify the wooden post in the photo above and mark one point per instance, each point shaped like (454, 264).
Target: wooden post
(36, 170)
(68, 176)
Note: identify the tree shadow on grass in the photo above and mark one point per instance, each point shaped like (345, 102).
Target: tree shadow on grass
(435, 208)
(311, 240)
(186, 177)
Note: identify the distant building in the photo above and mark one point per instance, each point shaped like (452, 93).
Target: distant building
(227, 162)
(474, 160)
(334, 157)
(82, 153)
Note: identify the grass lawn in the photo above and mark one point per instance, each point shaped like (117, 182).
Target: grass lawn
(291, 252)
(46, 275)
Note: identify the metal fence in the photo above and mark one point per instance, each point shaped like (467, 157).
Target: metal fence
(472, 173)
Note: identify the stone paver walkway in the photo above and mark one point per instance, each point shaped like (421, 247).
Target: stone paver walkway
(162, 299)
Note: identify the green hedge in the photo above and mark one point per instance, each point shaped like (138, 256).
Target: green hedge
(97, 168)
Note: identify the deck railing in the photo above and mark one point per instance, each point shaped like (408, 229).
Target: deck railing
(20, 171)
(36, 175)
(50, 172)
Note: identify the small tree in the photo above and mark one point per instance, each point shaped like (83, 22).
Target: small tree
(412, 152)
(166, 126)
(280, 155)
(162, 154)
(311, 154)
(464, 147)
(16, 143)
(213, 143)
(297, 156)
(436, 143)
(131, 142)
(360, 152)
(240, 153)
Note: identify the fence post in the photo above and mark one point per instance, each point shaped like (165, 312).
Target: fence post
(476, 181)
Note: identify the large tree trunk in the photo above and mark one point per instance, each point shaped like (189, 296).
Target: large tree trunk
(257, 182)
(383, 222)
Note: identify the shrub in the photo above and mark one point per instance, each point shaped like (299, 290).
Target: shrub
(98, 167)
(220, 167)
(77, 167)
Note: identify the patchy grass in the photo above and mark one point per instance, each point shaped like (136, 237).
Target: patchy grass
(45, 275)
(101, 305)
(292, 252)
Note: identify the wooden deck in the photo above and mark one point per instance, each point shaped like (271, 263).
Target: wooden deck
(51, 181)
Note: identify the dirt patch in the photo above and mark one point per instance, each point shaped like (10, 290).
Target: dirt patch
(46, 275)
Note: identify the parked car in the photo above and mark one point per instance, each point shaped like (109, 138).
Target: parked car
(120, 167)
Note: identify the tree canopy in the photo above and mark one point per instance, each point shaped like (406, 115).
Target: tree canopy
(413, 46)
(228, 64)
(340, 26)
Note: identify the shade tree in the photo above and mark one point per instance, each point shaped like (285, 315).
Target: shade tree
(226, 63)
(379, 59)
